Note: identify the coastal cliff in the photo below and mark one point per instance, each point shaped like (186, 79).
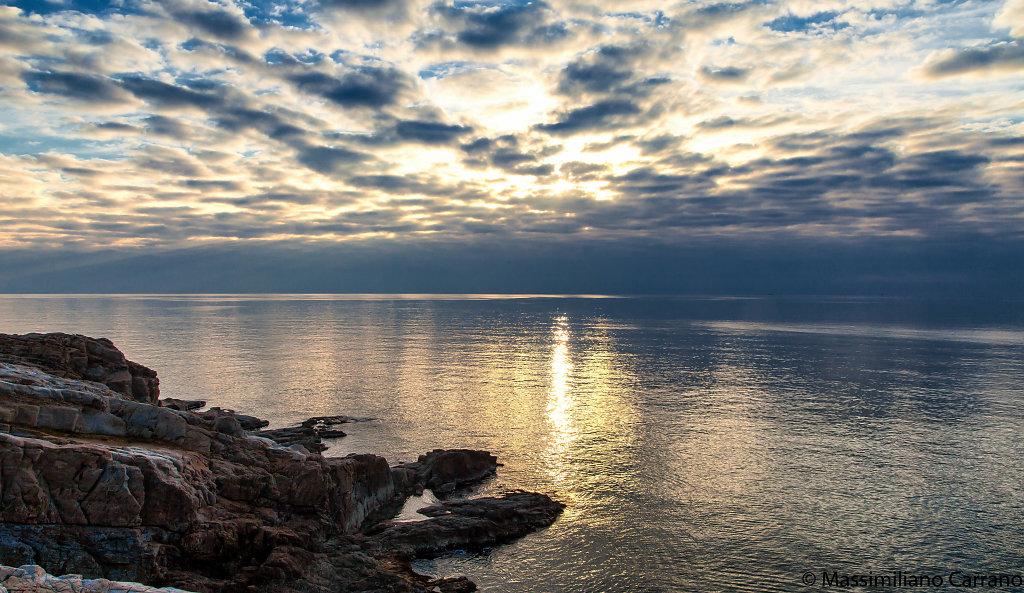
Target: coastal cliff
(97, 478)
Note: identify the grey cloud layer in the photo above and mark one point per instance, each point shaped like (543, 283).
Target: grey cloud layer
(228, 123)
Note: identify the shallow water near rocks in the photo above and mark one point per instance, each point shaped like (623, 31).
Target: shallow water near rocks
(701, 444)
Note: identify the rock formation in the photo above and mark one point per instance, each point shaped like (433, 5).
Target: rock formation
(82, 357)
(33, 579)
(98, 481)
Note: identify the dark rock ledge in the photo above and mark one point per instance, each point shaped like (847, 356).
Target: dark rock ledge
(97, 478)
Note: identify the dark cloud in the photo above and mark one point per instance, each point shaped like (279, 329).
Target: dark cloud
(166, 126)
(1005, 56)
(508, 159)
(74, 85)
(947, 160)
(657, 144)
(711, 15)
(204, 184)
(114, 126)
(230, 52)
(384, 182)
(328, 159)
(486, 26)
(603, 115)
(511, 154)
(724, 122)
(238, 119)
(729, 74)
(80, 171)
(360, 5)
(218, 23)
(648, 181)
(366, 86)
(478, 145)
(598, 78)
(614, 71)
(721, 122)
(168, 95)
(429, 132)
(403, 185)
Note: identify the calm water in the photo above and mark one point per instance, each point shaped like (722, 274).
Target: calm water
(701, 444)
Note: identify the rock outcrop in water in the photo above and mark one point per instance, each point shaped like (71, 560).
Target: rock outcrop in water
(97, 480)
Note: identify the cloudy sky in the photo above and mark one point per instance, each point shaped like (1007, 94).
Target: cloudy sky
(330, 141)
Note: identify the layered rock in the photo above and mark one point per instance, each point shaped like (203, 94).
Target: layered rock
(82, 357)
(94, 482)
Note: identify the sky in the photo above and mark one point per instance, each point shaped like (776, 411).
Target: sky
(626, 146)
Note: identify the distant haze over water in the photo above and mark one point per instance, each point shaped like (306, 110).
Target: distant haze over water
(701, 443)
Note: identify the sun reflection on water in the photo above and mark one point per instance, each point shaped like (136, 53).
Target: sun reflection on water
(560, 402)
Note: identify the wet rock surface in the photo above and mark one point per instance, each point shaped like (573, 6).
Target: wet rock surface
(95, 482)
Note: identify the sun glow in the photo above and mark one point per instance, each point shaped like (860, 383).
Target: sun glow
(560, 398)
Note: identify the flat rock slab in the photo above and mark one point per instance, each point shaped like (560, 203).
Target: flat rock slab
(471, 524)
(316, 421)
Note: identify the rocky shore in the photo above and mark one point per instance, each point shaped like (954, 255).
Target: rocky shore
(99, 477)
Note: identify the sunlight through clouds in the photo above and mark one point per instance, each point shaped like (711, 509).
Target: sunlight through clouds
(164, 124)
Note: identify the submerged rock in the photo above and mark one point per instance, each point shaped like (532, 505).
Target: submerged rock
(95, 482)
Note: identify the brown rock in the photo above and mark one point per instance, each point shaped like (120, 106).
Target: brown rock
(82, 357)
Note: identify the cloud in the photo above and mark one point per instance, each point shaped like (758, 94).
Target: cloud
(581, 171)
(601, 116)
(726, 75)
(1011, 17)
(791, 23)
(1003, 57)
(89, 88)
(366, 86)
(487, 26)
(166, 124)
(725, 122)
(168, 95)
(512, 154)
(329, 159)
(605, 70)
(212, 21)
(429, 132)
(371, 6)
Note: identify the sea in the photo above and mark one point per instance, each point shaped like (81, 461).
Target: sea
(700, 443)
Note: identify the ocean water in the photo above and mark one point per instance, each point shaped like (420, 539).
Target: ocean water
(701, 444)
